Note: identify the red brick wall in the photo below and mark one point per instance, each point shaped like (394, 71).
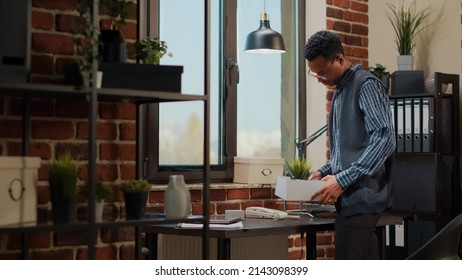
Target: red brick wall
(59, 125)
(350, 20)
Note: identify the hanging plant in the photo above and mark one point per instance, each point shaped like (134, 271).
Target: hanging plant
(86, 43)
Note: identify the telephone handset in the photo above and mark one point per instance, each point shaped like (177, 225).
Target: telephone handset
(262, 212)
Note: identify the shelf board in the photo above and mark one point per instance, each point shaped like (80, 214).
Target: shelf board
(107, 222)
(34, 90)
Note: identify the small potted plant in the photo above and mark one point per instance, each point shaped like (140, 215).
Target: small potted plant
(103, 193)
(113, 44)
(378, 70)
(62, 178)
(298, 168)
(135, 195)
(407, 23)
(381, 73)
(151, 50)
(296, 185)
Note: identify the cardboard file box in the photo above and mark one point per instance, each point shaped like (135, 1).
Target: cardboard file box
(257, 170)
(18, 194)
(297, 190)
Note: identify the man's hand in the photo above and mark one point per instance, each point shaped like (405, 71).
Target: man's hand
(315, 176)
(330, 192)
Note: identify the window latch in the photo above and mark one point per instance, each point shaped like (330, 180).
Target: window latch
(230, 65)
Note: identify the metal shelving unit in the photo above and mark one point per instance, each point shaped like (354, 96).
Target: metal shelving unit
(426, 174)
(28, 91)
(426, 177)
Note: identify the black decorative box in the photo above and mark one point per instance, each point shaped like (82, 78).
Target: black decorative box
(141, 76)
(407, 82)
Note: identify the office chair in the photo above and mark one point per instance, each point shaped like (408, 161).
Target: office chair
(445, 245)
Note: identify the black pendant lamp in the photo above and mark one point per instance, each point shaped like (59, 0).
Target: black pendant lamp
(264, 40)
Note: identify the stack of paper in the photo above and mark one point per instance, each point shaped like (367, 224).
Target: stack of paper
(199, 225)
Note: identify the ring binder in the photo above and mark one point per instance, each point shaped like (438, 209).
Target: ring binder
(428, 125)
(400, 126)
(417, 118)
(408, 129)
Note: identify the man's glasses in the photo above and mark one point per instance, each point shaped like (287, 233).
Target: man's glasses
(324, 74)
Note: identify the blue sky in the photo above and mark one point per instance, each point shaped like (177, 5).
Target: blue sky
(259, 87)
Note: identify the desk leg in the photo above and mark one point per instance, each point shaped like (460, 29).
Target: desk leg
(24, 246)
(151, 243)
(223, 248)
(137, 243)
(381, 240)
(311, 245)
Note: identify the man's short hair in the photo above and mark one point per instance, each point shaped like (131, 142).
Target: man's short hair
(323, 43)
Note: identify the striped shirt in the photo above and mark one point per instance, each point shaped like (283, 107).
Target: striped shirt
(374, 105)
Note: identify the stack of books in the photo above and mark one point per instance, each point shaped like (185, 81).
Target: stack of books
(216, 221)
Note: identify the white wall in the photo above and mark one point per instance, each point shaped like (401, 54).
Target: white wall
(438, 47)
(315, 92)
(438, 50)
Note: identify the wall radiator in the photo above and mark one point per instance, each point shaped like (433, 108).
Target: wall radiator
(178, 247)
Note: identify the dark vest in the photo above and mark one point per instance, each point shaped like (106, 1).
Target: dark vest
(371, 194)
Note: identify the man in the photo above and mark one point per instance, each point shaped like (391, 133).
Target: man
(362, 141)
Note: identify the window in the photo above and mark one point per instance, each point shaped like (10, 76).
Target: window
(253, 98)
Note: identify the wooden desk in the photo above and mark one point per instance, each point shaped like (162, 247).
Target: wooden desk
(252, 227)
(262, 227)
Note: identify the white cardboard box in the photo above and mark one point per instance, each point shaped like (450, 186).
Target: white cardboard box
(18, 193)
(296, 190)
(257, 170)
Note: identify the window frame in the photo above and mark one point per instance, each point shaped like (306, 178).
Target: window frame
(148, 126)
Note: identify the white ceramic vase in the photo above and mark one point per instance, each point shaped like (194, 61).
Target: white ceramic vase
(430, 83)
(430, 86)
(405, 62)
(177, 199)
(99, 207)
(99, 79)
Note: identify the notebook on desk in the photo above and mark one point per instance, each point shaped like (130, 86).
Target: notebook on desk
(221, 219)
